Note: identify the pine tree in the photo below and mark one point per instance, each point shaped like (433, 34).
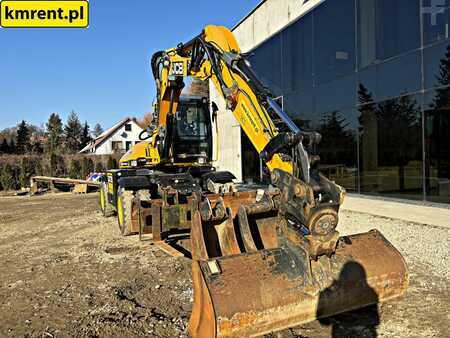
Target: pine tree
(12, 147)
(399, 119)
(442, 98)
(54, 132)
(85, 136)
(364, 96)
(335, 125)
(367, 106)
(23, 138)
(98, 130)
(368, 121)
(339, 142)
(4, 147)
(73, 131)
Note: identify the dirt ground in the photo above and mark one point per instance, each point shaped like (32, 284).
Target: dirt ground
(66, 272)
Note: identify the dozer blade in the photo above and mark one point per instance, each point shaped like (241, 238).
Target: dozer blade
(273, 285)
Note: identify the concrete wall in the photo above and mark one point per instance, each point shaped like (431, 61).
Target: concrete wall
(228, 140)
(122, 136)
(268, 18)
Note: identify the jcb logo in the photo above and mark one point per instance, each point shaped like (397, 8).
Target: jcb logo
(177, 68)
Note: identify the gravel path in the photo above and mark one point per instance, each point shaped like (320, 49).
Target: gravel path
(423, 311)
(67, 272)
(426, 244)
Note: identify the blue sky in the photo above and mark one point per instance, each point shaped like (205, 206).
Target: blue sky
(103, 72)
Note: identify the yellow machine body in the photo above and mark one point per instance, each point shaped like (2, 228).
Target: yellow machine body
(143, 154)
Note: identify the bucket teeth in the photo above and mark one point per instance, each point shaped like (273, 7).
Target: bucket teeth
(245, 231)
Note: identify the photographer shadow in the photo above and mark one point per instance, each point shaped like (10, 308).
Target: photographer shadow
(359, 323)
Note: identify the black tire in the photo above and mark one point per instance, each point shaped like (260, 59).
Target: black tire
(105, 207)
(124, 210)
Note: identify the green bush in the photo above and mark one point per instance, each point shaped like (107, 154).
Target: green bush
(20, 168)
(26, 171)
(99, 167)
(16, 176)
(52, 166)
(7, 177)
(87, 167)
(1, 170)
(61, 170)
(75, 169)
(112, 163)
(39, 171)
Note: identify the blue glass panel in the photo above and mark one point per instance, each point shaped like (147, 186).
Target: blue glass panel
(297, 55)
(334, 40)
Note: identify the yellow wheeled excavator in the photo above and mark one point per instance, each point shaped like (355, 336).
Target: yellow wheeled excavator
(263, 260)
(273, 259)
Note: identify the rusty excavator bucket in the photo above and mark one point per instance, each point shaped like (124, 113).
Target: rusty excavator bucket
(253, 274)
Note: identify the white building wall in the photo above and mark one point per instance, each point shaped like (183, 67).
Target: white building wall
(228, 140)
(268, 19)
(104, 149)
(122, 136)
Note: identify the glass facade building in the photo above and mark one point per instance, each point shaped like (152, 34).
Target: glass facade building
(373, 77)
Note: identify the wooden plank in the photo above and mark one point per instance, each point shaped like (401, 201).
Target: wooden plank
(171, 251)
(69, 181)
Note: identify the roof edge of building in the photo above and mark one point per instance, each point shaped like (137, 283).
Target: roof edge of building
(309, 8)
(248, 15)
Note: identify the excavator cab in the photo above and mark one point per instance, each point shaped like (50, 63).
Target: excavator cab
(192, 139)
(186, 139)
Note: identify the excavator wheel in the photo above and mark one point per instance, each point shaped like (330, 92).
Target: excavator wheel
(105, 207)
(124, 210)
